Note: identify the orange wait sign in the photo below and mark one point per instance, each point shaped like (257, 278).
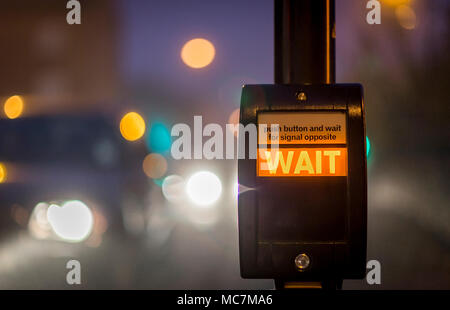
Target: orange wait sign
(283, 162)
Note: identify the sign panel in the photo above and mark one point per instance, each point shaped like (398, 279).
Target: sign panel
(283, 162)
(305, 141)
(302, 128)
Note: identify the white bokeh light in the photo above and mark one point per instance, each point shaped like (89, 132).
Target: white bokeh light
(73, 221)
(173, 188)
(204, 188)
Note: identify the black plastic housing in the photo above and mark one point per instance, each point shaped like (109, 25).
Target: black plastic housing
(324, 217)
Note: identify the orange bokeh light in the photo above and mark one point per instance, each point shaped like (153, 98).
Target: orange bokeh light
(2, 173)
(198, 53)
(154, 165)
(13, 107)
(132, 126)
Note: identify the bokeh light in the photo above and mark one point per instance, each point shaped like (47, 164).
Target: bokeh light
(173, 188)
(159, 181)
(105, 152)
(38, 224)
(396, 2)
(72, 222)
(158, 139)
(198, 53)
(234, 119)
(132, 126)
(406, 16)
(99, 227)
(367, 146)
(154, 165)
(2, 173)
(19, 214)
(13, 107)
(204, 188)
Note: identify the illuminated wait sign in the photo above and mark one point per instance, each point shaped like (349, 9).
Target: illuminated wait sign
(310, 144)
(302, 162)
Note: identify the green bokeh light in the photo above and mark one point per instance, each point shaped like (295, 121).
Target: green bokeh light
(158, 140)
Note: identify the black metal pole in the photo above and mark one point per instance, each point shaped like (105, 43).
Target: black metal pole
(305, 51)
(304, 42)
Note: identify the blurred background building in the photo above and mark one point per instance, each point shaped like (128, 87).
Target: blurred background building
(86, 117)
(48, 61)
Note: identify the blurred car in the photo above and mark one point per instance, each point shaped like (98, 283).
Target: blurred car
(59, 158)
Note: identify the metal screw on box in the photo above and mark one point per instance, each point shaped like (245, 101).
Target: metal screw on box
(302, 261)
(301, 96)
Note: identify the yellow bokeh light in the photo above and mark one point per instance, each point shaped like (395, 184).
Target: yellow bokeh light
(406, 16)
(396, 2)
(2, 173)
(154, 165)
(132, 126)
(198, 53)
(13, 107)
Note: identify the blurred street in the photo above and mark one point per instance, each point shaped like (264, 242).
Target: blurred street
(98, 101)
